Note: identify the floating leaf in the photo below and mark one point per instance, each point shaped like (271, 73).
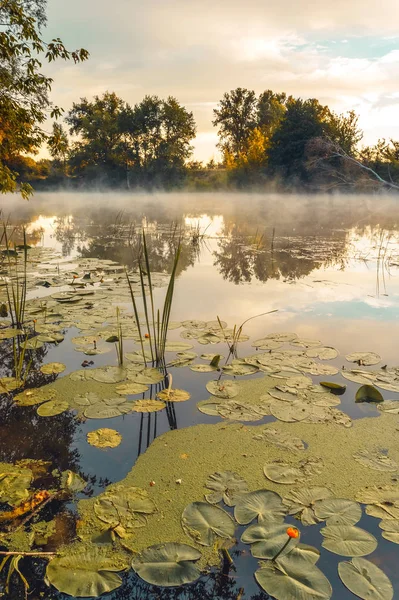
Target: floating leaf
(389, 406)
(287, 580)
(9, 384)
(209, 338)
(14, 486)
(364, 579)
(390, 529)
(173, 395)
(306, 343)
(222, 389)
(150, 376)
(301, 502)
(281, 472)
(72, 481)
(323, 353)
(368, 393)
(338, 511)
(104, 438)
(357, 376)
(290, 412)
(94, 572)
(282, 440)
(282, 337)
(336, 388)
(375, 460)
(240, 369)
(238, 412)
(204, 522)
(226, 486)
(364, 358)
(130, 389)
(52, 368)
(264, 505)
(124, 506)
(102, 411)
(209, 407)
(177, 346)
(269, 539)
(147, 406)
(348, 540)
(52, 408)
(34, 396)
(108, 374)
(168, 564)
(194, 324)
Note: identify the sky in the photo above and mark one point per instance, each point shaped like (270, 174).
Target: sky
(343, 52)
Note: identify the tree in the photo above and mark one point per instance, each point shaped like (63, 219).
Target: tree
(158, 136)
(24, 100)
(100, 137)
(344, 131)
(271, 109)
(236, 117)
(303, 121)
(58, 145)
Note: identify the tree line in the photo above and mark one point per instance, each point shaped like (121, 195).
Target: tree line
(267, 139)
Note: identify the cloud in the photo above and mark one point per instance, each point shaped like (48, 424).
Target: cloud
(197, 51)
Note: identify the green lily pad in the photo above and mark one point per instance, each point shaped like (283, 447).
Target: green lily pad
(240, 369)
(368, 393)
(194, 324)
(34, 396)
(108, 374)
(226, 486)
(14, 486)
(389, 406)
(290, 412)
(94, 572)
(177, 346)
(281, 439)
(52, 368)
(52, 408)
(281, 472)
(348, 540)
(204, 523)
(125, 506)
(130, 389)
(147, 406)
(364, 358)
(268, 539)
(150, 376)
(390, 530)
(209, 338)
(173, 395)
(338, 511)
(365, 579)
(168, 565)
(286, 580)
(375, 460)
(301, 502)
(238, 412)
(282, 337)
(264, 505)
(72, 481)
(358, 376)
(323, 353)
(334, 387)
(223, 389)
(102, 411)
(104, 438)
(202, 368)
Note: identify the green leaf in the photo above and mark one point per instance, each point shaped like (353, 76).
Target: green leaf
(269, 540)
(264, 505)
(368, 393)
(226, 486)
(168, 565)
(301, 502)
(334, 387)
(338, 511)
(288, 580)
(124, 506)
(52, 408)
(104, 438)
(348, 540)
(204, 522)
(364, 358)
(365, 579)
(222, 389)
(89, 571)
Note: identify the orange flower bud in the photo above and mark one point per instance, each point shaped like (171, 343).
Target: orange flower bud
(293, 532)
(147, 335)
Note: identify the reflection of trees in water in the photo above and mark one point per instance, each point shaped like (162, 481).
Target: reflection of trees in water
(242, 257)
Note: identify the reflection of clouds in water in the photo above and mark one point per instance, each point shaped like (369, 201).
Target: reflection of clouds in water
(210, 225)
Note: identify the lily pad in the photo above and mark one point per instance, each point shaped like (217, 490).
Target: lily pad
(147, 406)
(239, 412)
(364, 358)
(390, 530)
(240, 369)
(375, 460)
(203, 368)
(150, 376)
(286, 580)
(323, 353)
(336, 388)
(125, 506)
(104, 438)
(168, 565)
(94, 572)
(209, 407)
(364, 579)
(338, 511)
(223, 389)
(281, 472)
(368, 393)
(358, 376)
(52, 368)
(264, 505)
(177, 346)
(173, 395)
(281, 439)
(204, 523)
(268, 540)
(102, 411)
(108, 374)
(301, 502)
(226, 486)
(130, 389)
(34, 396)
(389, 406)
(348, 540)
(52, 408)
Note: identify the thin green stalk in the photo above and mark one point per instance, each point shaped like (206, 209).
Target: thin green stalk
(152, 342)
(147, 264)
(136, 314)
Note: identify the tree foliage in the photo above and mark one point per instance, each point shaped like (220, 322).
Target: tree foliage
(24, 89)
